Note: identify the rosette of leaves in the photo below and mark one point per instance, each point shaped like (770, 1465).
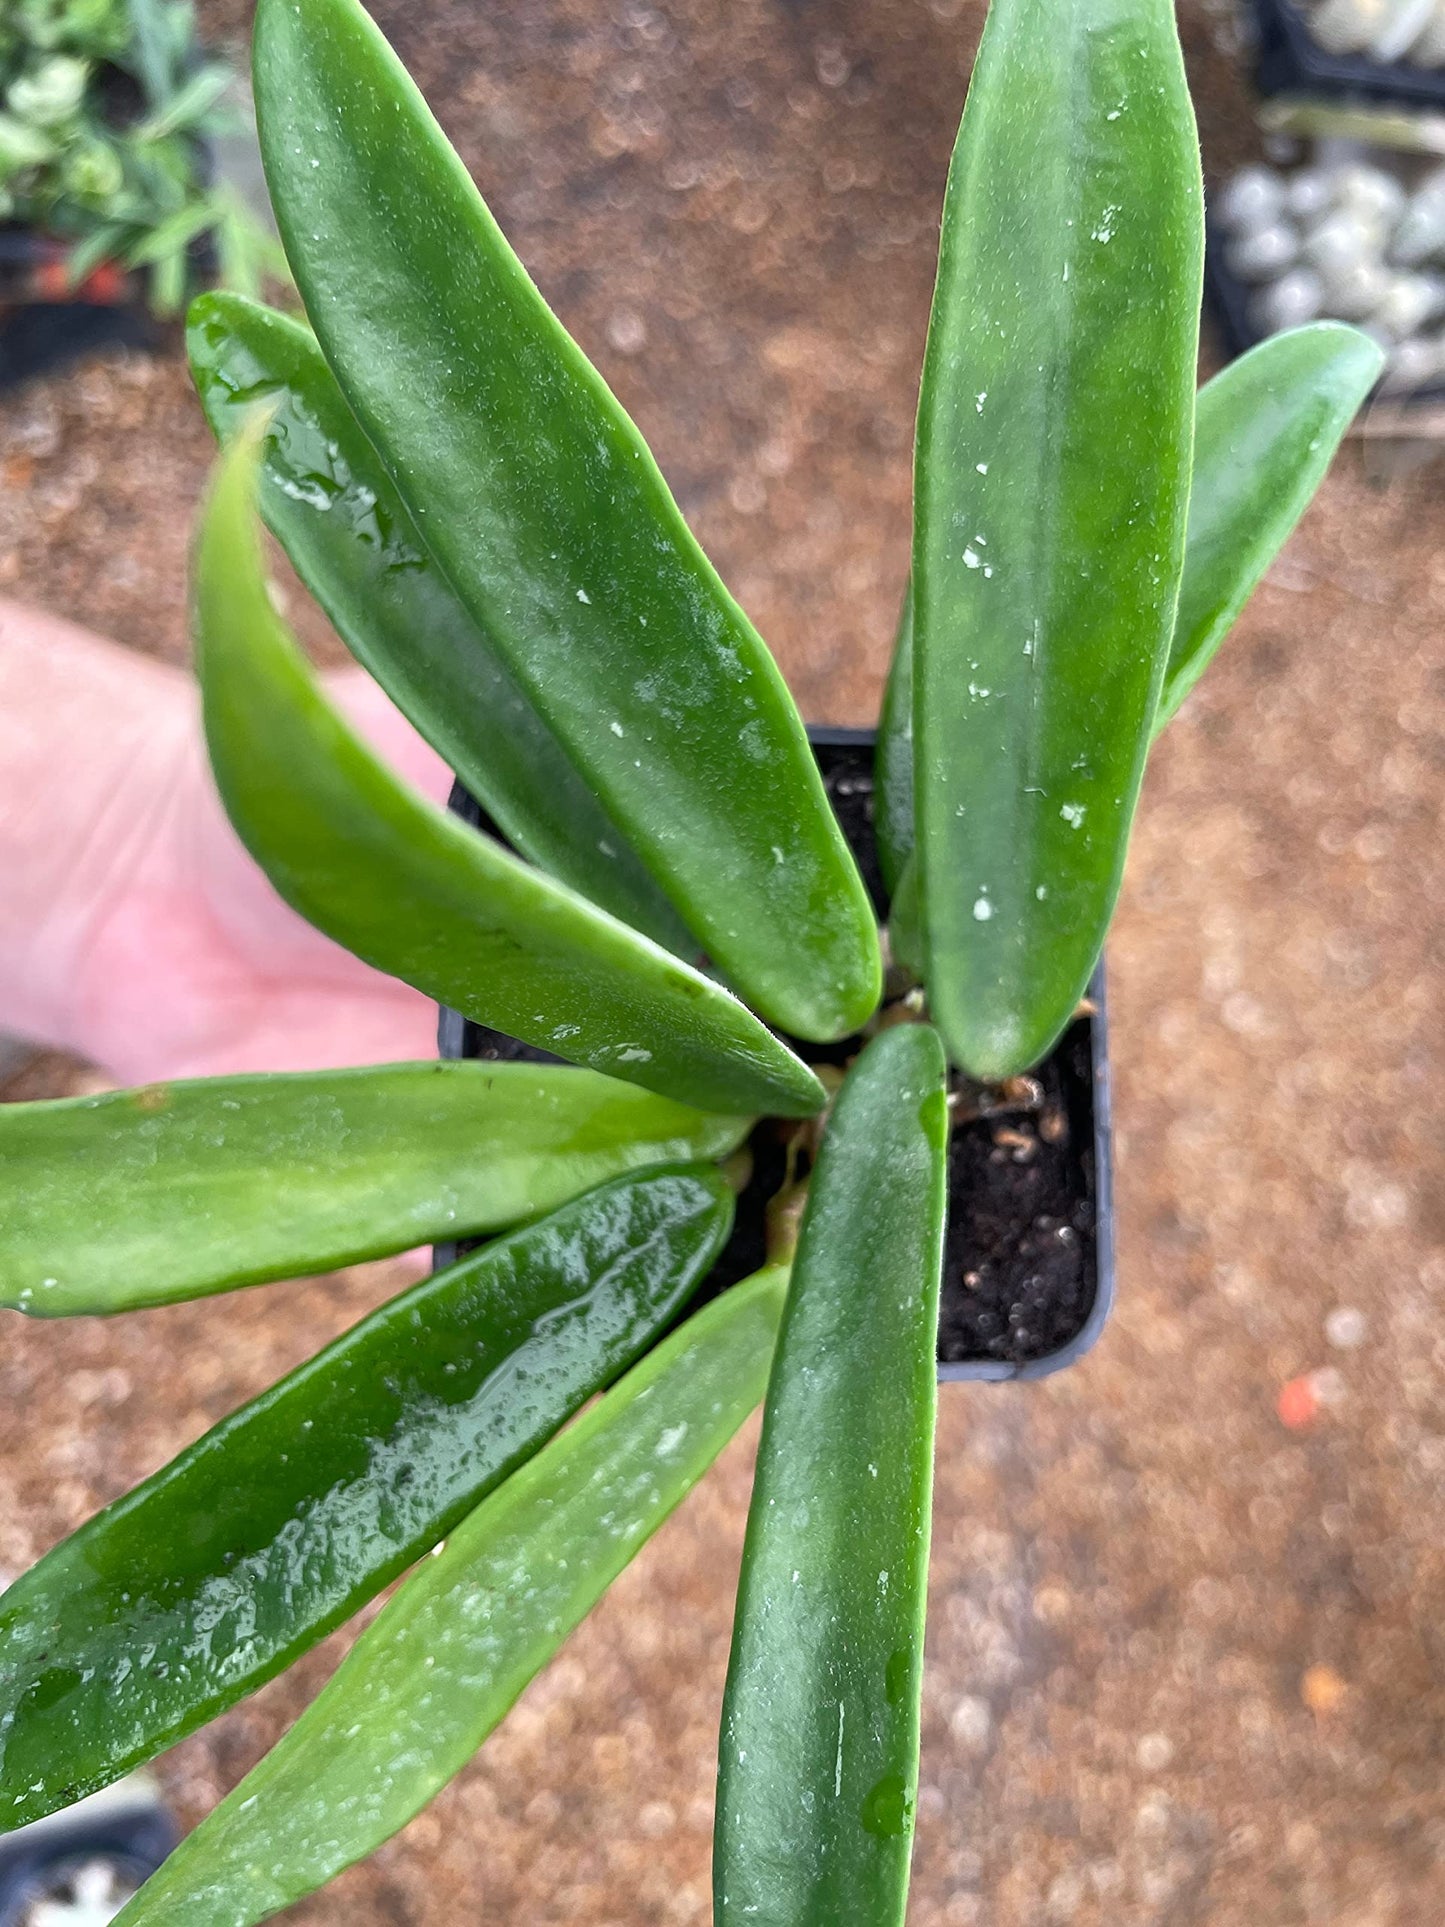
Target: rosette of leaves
(107, 110)
(671, 910)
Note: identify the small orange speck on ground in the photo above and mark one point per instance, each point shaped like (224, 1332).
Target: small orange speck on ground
(1298, 1404)
(1321, 1689)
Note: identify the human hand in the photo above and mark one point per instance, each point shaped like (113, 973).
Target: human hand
(135, 930)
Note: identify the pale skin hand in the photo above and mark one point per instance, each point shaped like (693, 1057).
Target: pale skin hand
(135, 930)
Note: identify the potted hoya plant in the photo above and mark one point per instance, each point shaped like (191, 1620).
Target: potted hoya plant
(670, 914)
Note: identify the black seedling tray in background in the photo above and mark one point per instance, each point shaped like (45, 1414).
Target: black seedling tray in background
(1291, 61)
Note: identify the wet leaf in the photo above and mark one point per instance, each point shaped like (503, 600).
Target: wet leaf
(1051, 488)
(1265, 431)
(445, 1661)
(145, 1196)
(330, 503)
(207, 1580)
(818, 1759)
(420, 895)
(544, 507)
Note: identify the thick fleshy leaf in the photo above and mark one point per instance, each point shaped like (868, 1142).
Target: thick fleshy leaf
(331, 504)
(174, 1190)
(417, 893)
(544, 507)
(1051, 488)
(893, 787)
(446, 1659)
(818, 1758)
(205, 1581)
(1265, 431)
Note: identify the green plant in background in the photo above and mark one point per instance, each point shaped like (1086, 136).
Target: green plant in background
(106, 107)
(489, 534)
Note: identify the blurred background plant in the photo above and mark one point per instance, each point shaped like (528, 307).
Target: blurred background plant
(110, 112)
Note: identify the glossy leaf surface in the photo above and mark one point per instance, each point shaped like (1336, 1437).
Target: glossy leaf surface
(1051, 487)
(413, 891)
(173, 1190)
(1266, 429)
(331, 504)
(543, 505)
(818, 1758)
(430, 1679)
(205, 1581)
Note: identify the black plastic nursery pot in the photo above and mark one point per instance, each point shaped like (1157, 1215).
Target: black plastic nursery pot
(1029, 1259)
(1291, 61)
(91, 1857)
(46, 322)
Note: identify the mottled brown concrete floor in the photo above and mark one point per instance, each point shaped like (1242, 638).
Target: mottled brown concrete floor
(1186, 1660)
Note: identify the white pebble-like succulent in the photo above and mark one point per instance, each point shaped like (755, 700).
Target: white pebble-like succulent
(1253, 199)
(1351, 238)
(1348, 26)
(1309, 193)
(1340, 241)
(1263, 253)
(1297, 297)
(1370, 192)
(1357, 289)
(1410, 301)
(1414, 364)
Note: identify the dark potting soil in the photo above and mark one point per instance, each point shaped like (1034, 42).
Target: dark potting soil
(1020, 1268)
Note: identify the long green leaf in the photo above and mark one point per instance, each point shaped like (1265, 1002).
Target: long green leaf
(213, 1575)
(438, 1670)
(174, 235)
(1051, 488)
(1265, 430)
(326, 497)
(541, 502)
(420, 895)
(143, 1197)
(818, 1759)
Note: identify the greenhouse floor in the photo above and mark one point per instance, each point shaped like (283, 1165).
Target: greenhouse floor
(1185, 1650)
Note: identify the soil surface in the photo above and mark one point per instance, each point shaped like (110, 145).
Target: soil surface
(1021, 1263)
(1184, 1660)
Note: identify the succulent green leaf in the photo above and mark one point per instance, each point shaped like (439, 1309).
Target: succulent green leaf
(542, 504)
(818, 1758)
(415, 892)
(1051, 489)
(1265, 431)
(330, 503)
(171, 1191)
(443, 1663)
(217, 1572)
(893, 787)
